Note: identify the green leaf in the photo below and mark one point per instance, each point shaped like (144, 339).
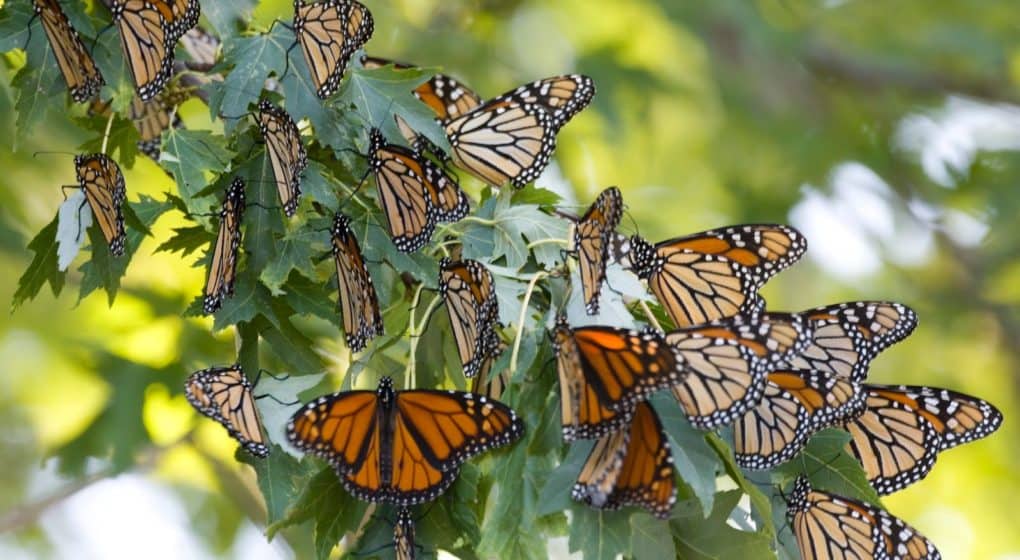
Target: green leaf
(311, 298)
(696, 462)
(599, 534)
(275, 415)
(40, 89)
(829, 467)
(282, 480)
(712, 538)
(650, 537)
(188, 155)
(14, 28)
(228, 17)
(559, 484)
(248, 300)
(187, 240)
(288, 343)
(760, 503)
(123, 137)
(43, 267)
(531, 194)
(294, 252)
(104, 270)
(254, 58)
(380, 93)
(509, 529)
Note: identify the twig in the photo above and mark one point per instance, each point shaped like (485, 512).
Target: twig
(23, 516)
(520, 319)
(649, 315)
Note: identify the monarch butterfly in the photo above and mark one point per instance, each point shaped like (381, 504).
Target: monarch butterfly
(286, 153)
(414, 193)
(358, 302)
(795, 404)
(224, 394)
(403, 535)
(729, 360)
(714, 274)
(76, 64)
(150, 118)
(185, 14)
(103, 183)
(223, 266)
(201, 47)
(469, 292)
(902, 430)
(592, 236)
(445, 96)
(828, 526)
(604, 371)
(849, 335)
(147, 35)
(633, 466)
(330, 32)
(510, 138)
(401, 447)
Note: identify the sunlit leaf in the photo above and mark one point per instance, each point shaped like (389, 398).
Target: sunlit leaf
(43, 267)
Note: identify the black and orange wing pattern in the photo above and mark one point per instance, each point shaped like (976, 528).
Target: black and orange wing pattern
(831, 527)
(80, 72)
(714, 274)
(468, 290)
(503, 142)
(286, 153)
(358, 302)
(562, 96)
(592, 236)
(330, 32)
(728, 362)
(633, 466)
(185, 15)
(401, 447)
(224, 394)
(796, 403)
(103, 183)
(903, 429)
(414, 193)
(848, 336)
(147, 36)
(403, 536)
(223, 265)
(605, 371)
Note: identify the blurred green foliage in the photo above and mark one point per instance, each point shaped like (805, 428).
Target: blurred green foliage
(708, 113)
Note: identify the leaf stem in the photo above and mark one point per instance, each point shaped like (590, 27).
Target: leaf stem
(520, 319)
(649, 315)
(550, 241)
(416, 332)
(106, 134)
(482, 221)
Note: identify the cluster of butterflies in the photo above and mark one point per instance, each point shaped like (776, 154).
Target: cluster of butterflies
(775, 377)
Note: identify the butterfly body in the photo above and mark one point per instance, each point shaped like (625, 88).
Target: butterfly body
(225, 395)
(469, 292)
(223, 265)
(359, 304)
(286, 153)
(401, 447)
(593, 233)
(103, 184)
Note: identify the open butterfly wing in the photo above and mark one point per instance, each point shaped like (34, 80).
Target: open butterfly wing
(896, 445)
(847, 336)
(583, 414)
(831, 527)
(715, 274)
(503, 142)
(562, 96)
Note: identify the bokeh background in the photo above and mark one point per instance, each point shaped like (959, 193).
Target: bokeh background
(886, 131)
